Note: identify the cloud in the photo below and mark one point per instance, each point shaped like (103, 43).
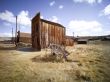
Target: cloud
(106, 10)
(54, 19)
(82, 28)
(7, 16)
(88, 1)
(61, 7)
(52, 3)
(23, 17)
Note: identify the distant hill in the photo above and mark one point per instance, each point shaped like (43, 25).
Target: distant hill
(5, 38)
(94, 37)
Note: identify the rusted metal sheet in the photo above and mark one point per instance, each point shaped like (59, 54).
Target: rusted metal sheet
(45, 32)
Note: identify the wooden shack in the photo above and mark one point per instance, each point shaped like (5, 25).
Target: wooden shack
(23, 37)
(45, 32)
(69, 40)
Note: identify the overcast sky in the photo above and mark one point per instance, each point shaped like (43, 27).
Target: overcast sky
(83, 17)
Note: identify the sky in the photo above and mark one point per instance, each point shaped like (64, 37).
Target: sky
(79, 17)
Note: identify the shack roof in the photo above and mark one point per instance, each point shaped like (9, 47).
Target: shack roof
(50, 22)
(22, 34)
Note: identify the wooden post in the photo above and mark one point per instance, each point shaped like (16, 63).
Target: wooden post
(12, 36)
(16, 33)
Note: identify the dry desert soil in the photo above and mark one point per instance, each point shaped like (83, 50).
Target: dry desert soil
(86, 63)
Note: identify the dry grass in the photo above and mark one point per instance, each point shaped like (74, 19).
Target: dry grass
(89, 63)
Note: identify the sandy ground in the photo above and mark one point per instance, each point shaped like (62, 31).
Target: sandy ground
(86, 63)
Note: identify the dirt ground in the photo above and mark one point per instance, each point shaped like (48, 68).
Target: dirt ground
(86, 63)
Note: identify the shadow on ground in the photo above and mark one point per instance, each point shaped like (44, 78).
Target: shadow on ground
(26, 49)
(49, 58)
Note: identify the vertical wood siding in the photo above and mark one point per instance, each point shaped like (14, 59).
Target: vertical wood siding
(51, 33)
(36, 32)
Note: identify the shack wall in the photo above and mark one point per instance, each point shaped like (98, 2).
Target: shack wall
(45, 32)
(35, 32)
(51, 33)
